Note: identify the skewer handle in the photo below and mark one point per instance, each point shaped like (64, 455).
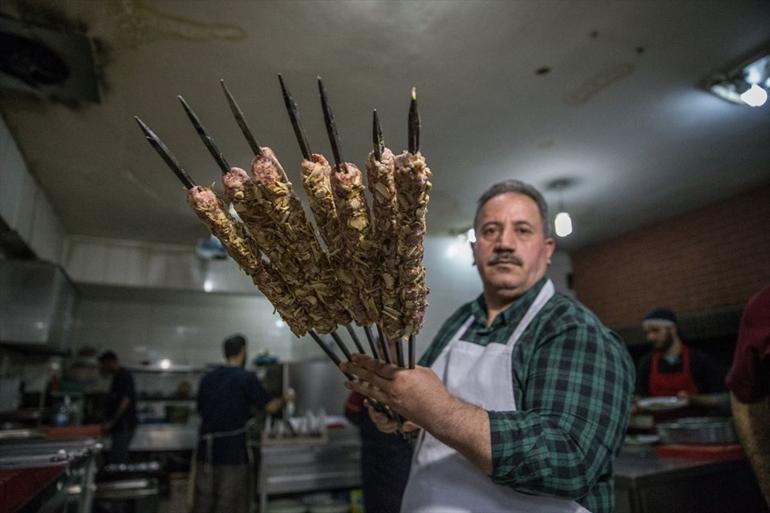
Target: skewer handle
(356, 341)
(411, 348)
(372, 343)
(384, 345)
(341, 345)
(333, 357)
(400, 353)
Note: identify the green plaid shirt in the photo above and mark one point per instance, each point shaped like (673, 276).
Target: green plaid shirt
(573, 381)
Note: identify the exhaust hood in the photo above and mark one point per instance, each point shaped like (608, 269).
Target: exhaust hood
(36, 305)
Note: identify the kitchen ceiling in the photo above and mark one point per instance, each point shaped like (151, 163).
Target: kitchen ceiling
(602, 93)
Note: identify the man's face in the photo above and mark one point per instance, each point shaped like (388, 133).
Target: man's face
(105, 368)
(660, 337)
(511, 250)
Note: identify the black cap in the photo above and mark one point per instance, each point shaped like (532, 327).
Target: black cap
(662, 315)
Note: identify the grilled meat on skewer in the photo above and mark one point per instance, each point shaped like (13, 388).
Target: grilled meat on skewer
(242, 248)
(287, 212)
(412, 183)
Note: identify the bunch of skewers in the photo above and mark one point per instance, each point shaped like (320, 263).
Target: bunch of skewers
(363, 264)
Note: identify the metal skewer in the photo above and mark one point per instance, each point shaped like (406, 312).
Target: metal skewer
(384, 345)
(296, 123)
(411, 349)
(331, 127)
(400, 353)
(354, 336)
(165, 154)
(414, 124)
(377, 141)
(372, 343)
(341, 345)
(238, 114)
(205, 137)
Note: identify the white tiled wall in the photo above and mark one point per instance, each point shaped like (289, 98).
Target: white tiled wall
(185, 330)
(188, 328)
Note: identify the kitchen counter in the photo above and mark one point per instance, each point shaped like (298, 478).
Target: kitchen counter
(20, 486)
(647, 483)
(42, 475)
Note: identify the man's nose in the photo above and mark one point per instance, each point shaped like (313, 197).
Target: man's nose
(507, 240)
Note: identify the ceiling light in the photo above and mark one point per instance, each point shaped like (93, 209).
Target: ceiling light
(563, 224)
(470, 235)
(165, 363)
(745, 84)
(754, 96)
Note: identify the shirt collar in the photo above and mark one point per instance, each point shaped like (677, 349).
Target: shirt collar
(515, 311)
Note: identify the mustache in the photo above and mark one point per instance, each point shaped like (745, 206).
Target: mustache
(504, 257)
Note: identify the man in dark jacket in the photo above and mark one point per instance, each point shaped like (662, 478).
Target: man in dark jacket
(120, 410)
(227, 398)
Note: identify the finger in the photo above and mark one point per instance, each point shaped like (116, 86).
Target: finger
(367, 375)
(410, 426)
(384, 370)
(367, 390)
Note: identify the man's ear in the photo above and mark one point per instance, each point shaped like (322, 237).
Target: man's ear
(473, 252)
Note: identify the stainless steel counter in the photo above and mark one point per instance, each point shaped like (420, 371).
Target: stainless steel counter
(646, 483)
(325, 465)
(164, 437)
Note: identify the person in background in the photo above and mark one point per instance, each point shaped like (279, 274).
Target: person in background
(385, 460)
(673, 369)
(749, 385)
(120, 409)
(227, 399)
(523, 396)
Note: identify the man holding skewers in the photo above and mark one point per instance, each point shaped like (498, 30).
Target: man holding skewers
(523, 396)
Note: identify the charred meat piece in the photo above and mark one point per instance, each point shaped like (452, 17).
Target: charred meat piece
(413, 184)
(381, 177)
(243, 249)
(356, 235)
(287, 213)
(316, 180)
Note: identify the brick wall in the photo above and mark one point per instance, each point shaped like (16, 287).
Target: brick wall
(702, 260)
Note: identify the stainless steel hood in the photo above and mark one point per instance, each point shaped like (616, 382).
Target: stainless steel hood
(36, 305)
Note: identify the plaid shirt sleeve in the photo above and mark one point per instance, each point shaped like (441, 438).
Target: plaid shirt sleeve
(573, 411)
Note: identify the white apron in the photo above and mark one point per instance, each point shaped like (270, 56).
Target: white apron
(441, 479)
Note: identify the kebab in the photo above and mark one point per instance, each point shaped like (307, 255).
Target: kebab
(236, 241)
(380, 170)
(241, 247)
(353, 219)
(316, 181)
(318, 319)
(255, 209)
(412, 177)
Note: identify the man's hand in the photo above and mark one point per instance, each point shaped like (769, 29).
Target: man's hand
(386, 424)
(417, 394)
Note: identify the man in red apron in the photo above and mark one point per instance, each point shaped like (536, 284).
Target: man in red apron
(673, 369)
(523, 396)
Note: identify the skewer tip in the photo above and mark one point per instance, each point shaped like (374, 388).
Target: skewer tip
(414, 93)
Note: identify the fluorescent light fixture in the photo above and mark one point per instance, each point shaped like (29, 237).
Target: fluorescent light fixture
(745, 84)
(470, 235)
(754, 96)
(563, 224)
(279, 323)
(165, 363)
(208, 286)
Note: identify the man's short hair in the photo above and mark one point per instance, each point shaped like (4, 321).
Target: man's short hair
(108, 356)
(515, 187)
(233, 345)
(659, 317)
